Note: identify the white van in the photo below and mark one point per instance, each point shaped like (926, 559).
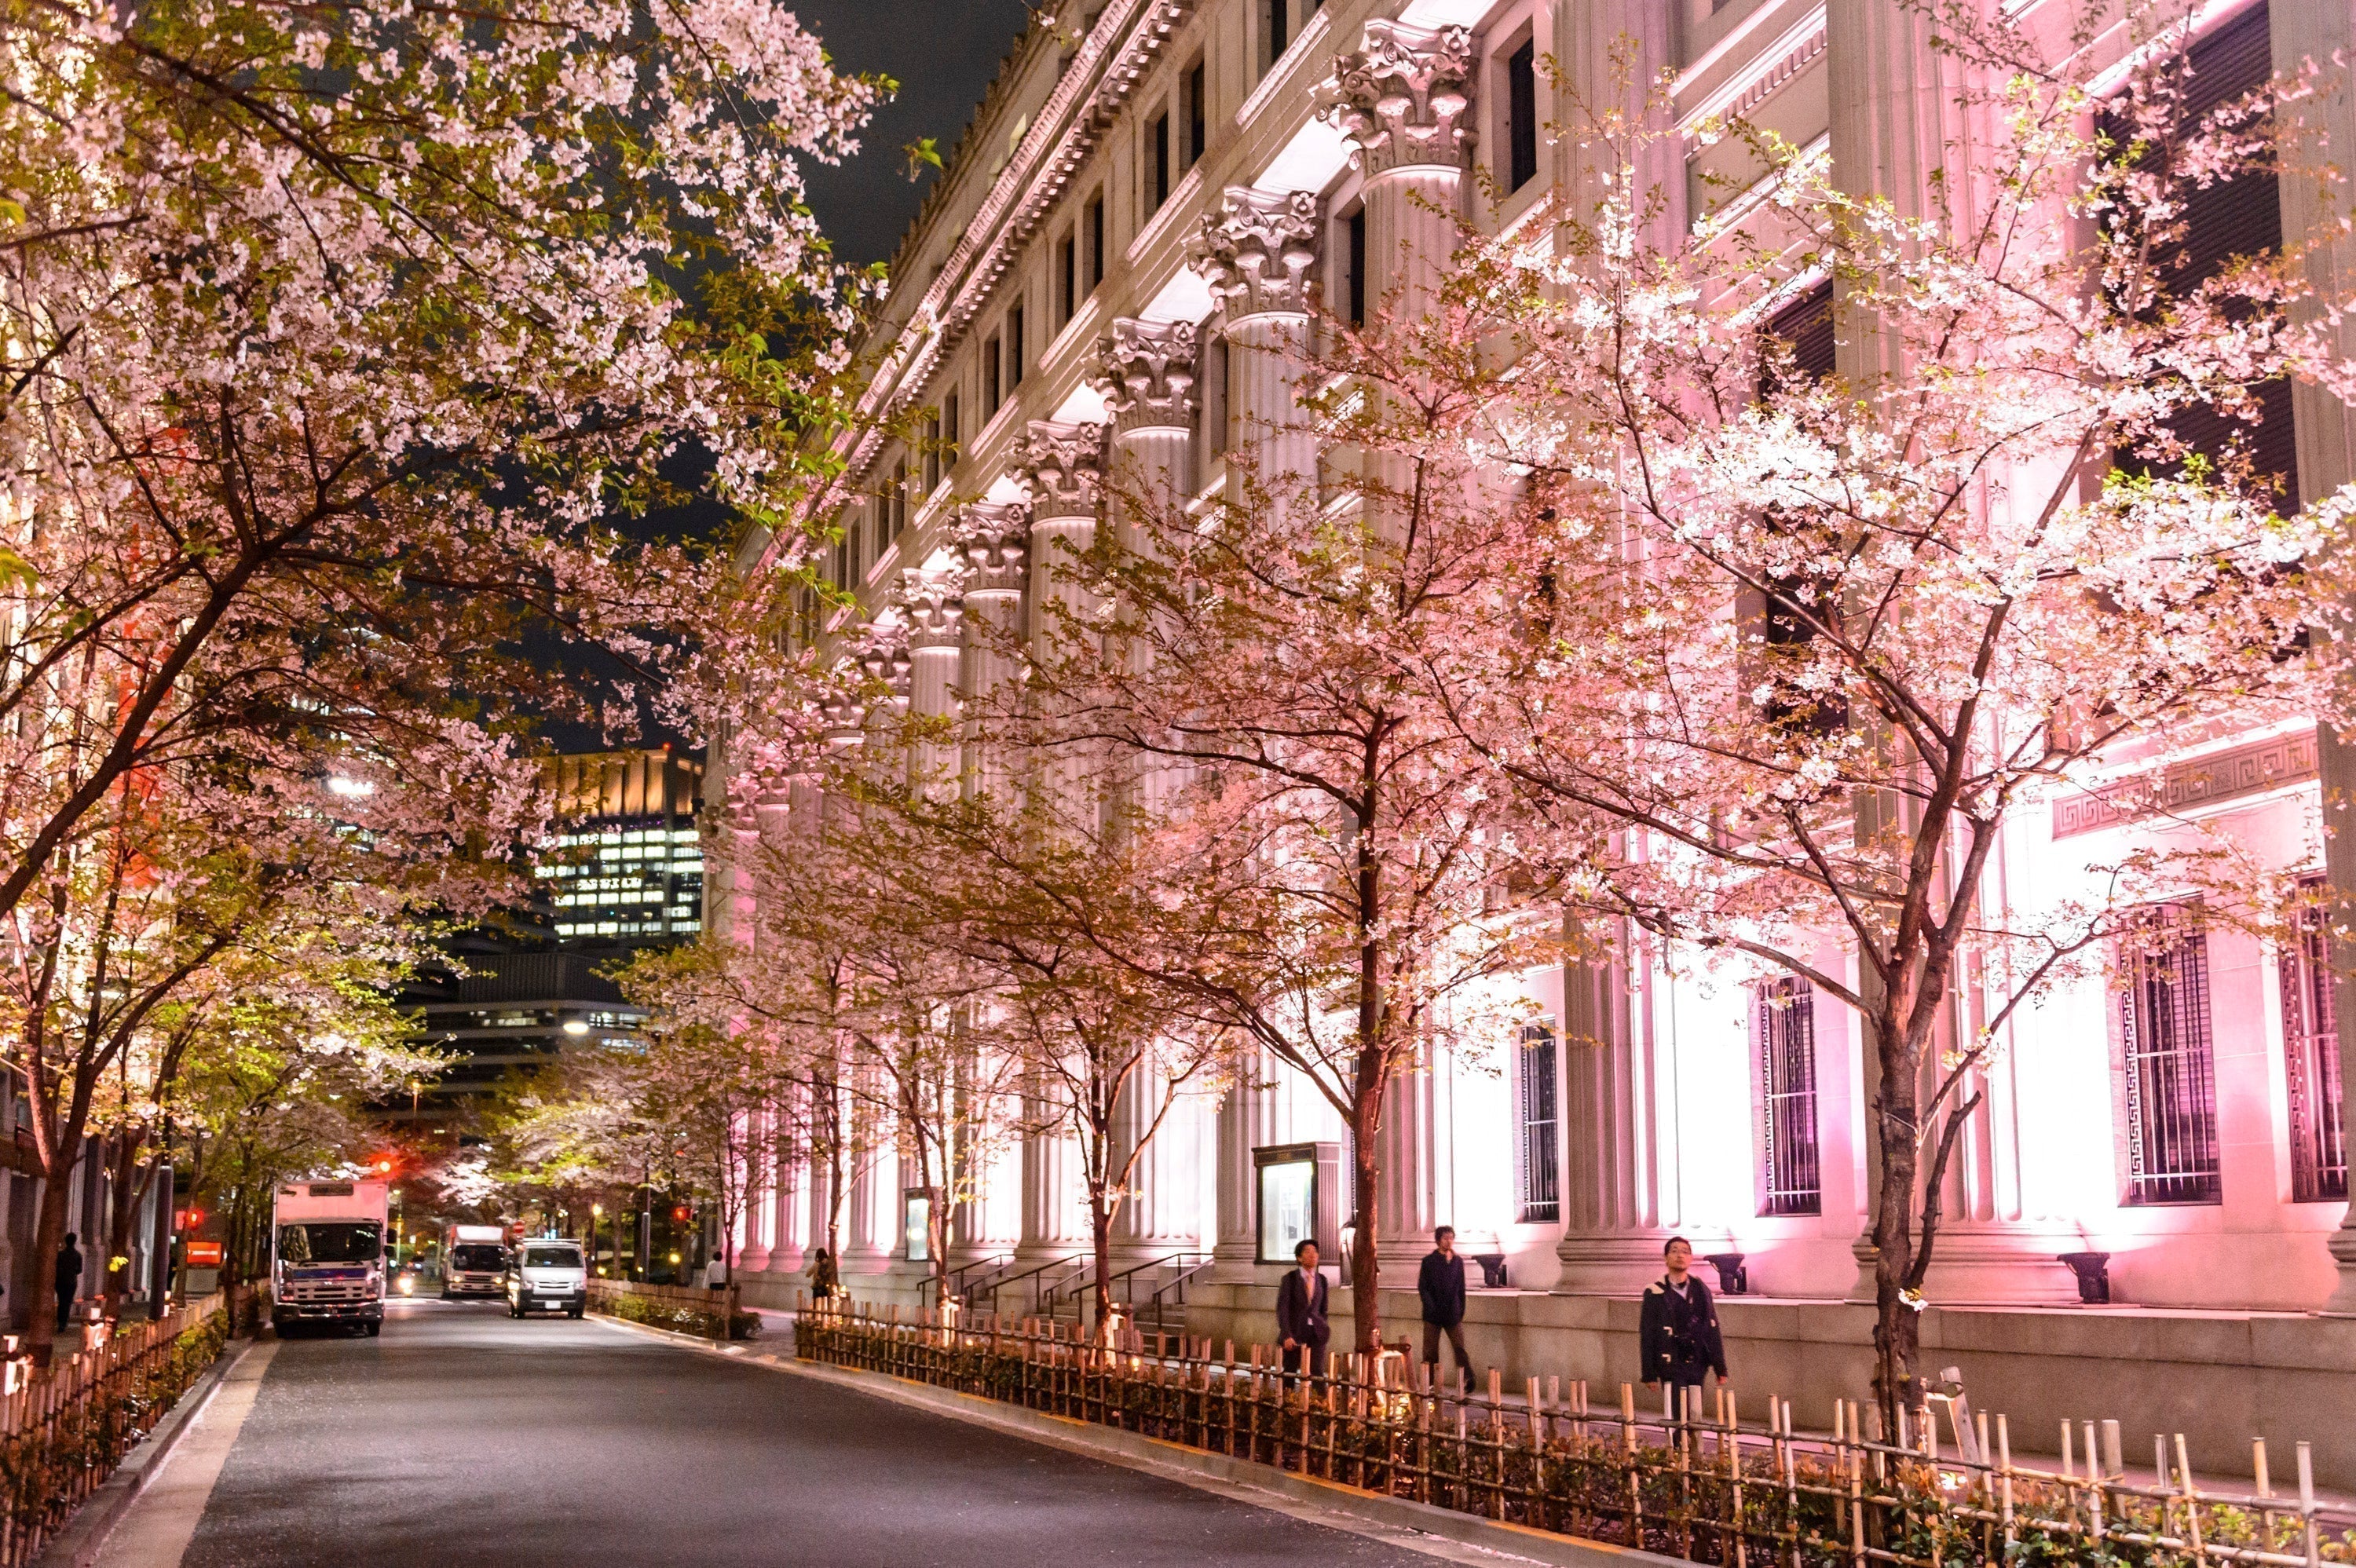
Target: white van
(546, 1275)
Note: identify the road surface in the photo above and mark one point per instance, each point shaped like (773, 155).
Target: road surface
(463, 1437)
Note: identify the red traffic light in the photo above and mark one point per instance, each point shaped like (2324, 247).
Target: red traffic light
(679, 1213)
(384, 1166)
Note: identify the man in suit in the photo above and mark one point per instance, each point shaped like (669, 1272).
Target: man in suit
(1441, 1284)
(1301, 1323)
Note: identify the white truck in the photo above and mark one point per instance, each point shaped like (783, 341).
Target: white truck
(474, 1261)
(327, 1254)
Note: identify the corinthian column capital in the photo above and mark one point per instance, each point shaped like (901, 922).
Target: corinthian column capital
(994, 539)
(932, 598)
(1146, 371)
(1402, 98)
(1257, 252)
(1062, 467)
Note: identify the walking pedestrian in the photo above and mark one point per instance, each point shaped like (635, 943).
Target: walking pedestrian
(1441, 1284)
(715, 1271)
(823, 1284)
(1301, 1323)
(69, 1279)
(1681, 1342)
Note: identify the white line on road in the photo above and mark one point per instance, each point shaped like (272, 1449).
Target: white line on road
(156, 1529)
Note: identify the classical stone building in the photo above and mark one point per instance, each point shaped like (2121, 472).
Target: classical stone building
(1121, 268)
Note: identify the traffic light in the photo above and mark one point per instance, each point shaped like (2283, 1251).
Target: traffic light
(679, 1213)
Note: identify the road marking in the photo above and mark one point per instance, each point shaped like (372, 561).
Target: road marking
(157, 1527)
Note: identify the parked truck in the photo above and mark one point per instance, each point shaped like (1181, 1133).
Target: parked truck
(326, 1258)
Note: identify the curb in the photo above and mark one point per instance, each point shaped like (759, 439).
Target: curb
(77, 1545)
(1208, 1471)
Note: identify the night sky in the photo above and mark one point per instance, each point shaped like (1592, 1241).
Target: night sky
(944, 54)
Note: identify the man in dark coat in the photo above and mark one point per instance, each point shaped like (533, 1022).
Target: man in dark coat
(68, 1278)
(1441, 1283)
(1300, 1324)
(1681, 1343)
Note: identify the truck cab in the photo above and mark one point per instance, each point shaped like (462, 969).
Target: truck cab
(474, 1261)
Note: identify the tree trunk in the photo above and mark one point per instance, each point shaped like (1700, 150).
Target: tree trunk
(119, 1203)
(1100, 1243)
(1365, 1174)
(48, 1235)
(1898, 1324)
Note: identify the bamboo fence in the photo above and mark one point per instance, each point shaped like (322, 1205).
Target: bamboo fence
(1702, 1485)
(62, 1435)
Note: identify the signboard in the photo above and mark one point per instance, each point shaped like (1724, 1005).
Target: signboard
(204, 1254)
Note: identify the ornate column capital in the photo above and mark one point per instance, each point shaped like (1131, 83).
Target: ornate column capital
(1402, 98)
(994, 539)
(932, 598)
(1257, 252)
(1062, 467)
(844, 719)
(887, 664)
(1146, 371)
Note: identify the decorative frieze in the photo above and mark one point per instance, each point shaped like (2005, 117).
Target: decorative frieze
(994, 539)
(1402, 98)
(2191, 786)
(1062, 467)
(1258, 250)
(1146, 371)
(933, 600)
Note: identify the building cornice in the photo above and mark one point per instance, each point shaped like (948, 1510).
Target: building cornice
(1102, 75)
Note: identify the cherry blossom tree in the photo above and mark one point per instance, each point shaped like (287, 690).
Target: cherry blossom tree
(1783, 656)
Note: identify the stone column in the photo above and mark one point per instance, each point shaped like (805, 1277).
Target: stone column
(2322, 129)
(1258, 252)
(934, 603)
(1402, 100)
(1240, 1114)
(995, 543)
(1161, 1214)
(1061, 467)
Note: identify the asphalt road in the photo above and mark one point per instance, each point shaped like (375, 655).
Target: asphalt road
(461, 1437)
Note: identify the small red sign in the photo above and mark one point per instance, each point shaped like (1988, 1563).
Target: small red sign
(204, 1254)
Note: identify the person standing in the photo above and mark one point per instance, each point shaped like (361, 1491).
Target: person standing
(1441, 1284)
(1682, 1346)
(822, 1277)
(1301, 1323)
(69, 1279)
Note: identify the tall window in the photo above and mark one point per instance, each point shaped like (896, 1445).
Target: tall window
(1537, 1167)
(1015, 351)
(2318, 1127)
(1067, 279)
(1354, 257)
(1783, 1033)
(1273, 17)
(989, 356)
(2225, 219)
(2168, 1062)
(951, 431)
(1095, 226)
(1522, 116)
(932, 453)
(1157, 163)
(1197, 106)
(896, 508)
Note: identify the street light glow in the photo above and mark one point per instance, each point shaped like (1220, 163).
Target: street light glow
(350, 789)
(575, 1026)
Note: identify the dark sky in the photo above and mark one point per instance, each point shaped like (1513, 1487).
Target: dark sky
(944, 54)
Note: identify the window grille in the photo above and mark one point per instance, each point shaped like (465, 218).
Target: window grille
(1784, 1028)
(1537, 1166)
(2170, 1064)
(2318, 1127)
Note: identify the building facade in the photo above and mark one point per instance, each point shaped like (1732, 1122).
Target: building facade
(1121, 268)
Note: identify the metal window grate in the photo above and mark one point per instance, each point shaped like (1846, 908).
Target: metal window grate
(2170, 1063)
(1783, 1027)
(2318, 1127)
(1537, 1167)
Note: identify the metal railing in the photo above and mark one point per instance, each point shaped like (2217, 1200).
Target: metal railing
(1701, 1486)
(1164, 1308)
(63, 1434)
(957, 1284)
(1036, 1290)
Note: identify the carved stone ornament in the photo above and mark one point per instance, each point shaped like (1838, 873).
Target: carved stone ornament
(994, 539)
(1146, 371)
(1062, 465)
(933, 600)
(888, 664)
(1257, 252)
(845, 717)
(1401, 99)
